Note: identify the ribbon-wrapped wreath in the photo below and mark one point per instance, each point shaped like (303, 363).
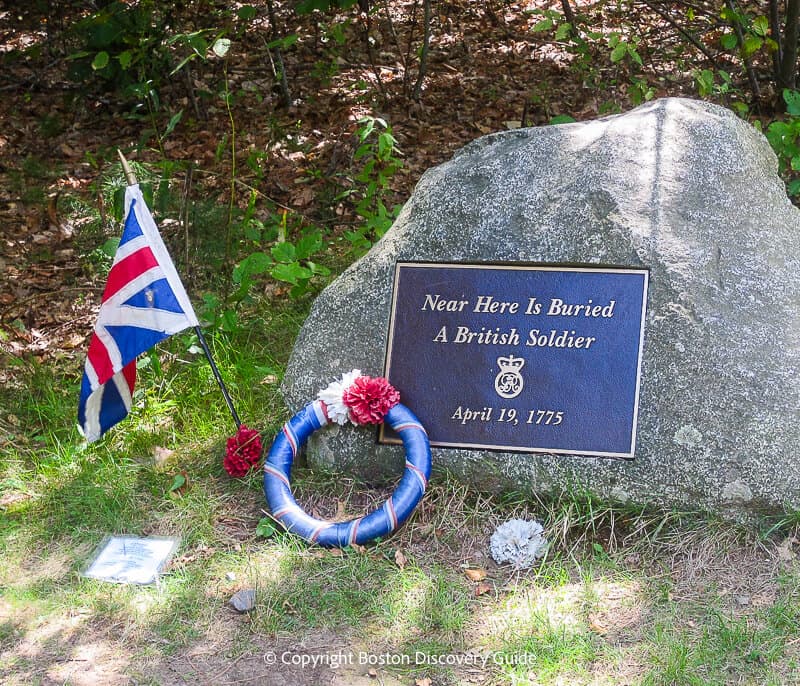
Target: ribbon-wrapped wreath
(360, 400)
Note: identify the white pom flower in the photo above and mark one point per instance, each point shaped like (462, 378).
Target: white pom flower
(332, 396)
(519, 542)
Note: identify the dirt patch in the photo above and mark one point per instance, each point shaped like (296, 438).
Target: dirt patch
(317, 658)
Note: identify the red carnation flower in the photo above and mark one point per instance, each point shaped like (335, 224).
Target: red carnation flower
(243, 451)
(369, 399)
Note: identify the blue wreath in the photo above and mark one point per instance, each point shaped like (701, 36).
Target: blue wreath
(380, 522)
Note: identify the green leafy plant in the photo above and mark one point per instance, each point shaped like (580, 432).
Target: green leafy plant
(266, 527)
(551, 19)
(580, 41)
(755, 32)
(784, 137)
(121, 45)
(622, 49)
(380, 159)
(719, 84)
(287, 260)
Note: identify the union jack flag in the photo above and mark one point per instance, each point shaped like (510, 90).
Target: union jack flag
(144, 302)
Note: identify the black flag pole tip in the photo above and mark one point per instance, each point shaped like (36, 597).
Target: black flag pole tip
(129, 175)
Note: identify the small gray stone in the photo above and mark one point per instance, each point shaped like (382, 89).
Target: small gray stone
(681, 187)
(243, 601)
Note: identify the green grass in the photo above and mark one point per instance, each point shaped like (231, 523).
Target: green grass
(551, 625)
(623, 596)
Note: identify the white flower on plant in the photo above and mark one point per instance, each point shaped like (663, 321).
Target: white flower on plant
(518, 541)
(333, 395)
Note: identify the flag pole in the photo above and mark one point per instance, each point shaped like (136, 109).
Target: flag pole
(130, 177)
(218, 377)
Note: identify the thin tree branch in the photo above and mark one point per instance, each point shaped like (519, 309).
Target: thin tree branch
(423, 56)
(407, 59)
(748, 64)
(775, 32)
(685, 33)
(569, 15)
(279, 70)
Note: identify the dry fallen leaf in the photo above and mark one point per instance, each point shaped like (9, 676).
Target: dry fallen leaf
(303, 197)
(400, 559)
(476, 574)
(74, 341)
(481, 589)
(597, 624)
(373, 673)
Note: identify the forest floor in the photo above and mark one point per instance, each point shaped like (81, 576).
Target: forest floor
(487, 71)
(623, 599)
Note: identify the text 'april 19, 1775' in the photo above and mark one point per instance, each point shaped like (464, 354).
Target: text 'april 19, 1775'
(522, 358)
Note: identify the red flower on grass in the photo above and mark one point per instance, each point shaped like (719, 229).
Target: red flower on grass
(369, 399)
(243, 451)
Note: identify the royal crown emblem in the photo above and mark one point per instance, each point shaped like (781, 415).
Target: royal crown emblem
(509, 382)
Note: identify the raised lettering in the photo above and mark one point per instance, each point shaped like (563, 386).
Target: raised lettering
(486, 304)
(437, 304)
(533, 307)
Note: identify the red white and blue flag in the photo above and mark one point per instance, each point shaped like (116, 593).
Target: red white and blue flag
(144, 302)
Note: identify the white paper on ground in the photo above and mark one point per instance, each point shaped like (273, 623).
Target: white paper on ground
(131, 559)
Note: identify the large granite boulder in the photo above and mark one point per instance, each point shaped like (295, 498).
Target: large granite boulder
(681, 187)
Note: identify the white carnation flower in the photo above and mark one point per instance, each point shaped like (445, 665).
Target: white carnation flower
(332, 396)
(519, 542)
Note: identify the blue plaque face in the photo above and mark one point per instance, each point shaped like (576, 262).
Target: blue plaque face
(537, 359)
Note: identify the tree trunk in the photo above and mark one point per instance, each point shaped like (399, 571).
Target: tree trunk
(569, 15)
(423, 55)
(788, 75)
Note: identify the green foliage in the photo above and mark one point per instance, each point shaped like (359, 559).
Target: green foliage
(120, 45)
(562, 119)
(266, 527)
(719, 84)
(286, 260)
(283, 247)
(128, 48)
(378, 155)
(621, 49)
(755, 33)
(198, 44)
(552, 19)
(178, 482)
(586, 44)
(784, 137)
